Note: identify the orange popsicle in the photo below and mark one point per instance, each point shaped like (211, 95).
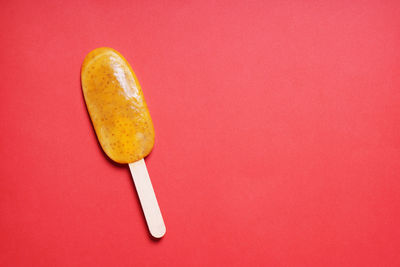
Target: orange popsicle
(116, 106)
(122, 122)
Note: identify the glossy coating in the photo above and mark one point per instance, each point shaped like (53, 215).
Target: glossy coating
(116, 106)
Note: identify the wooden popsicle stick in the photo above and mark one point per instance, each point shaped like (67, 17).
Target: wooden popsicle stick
(147, 198)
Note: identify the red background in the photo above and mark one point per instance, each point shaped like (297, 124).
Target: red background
(277, 134)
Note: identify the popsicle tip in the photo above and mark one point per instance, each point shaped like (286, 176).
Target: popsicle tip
(158, 233)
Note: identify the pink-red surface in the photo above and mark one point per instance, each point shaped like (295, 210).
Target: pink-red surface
(277, 134)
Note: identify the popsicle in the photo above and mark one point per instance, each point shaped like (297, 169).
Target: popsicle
(122, 122)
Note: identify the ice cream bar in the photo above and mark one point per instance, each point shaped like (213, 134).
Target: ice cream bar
(122, 122)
